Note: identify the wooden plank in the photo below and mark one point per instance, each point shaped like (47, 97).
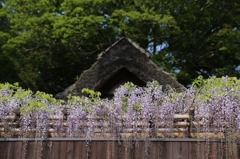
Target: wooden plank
(133, 149)
(122, 149)
(180, 150)
(102, 150)
(168, 150)
(4, 149)
(47, 146)
(70, 149)
(83, 149)
(10, 150)
(18, 150)
(154, 150)
(109, 154)
(229, 150)
(55, 149)
(88, 147)
(31, 150)
(147, 148)
(128, 149)
(62, 150)
(93, 150)
(139, 149)
(203, 152)
(15, 150)
(160, 150)
(119, 149)
(192, 150)
(220, 149)
(238, 148)
(77, 149)
(113, 150)
(213, 150)
(98, 150)
(40, 148)
(236, 153)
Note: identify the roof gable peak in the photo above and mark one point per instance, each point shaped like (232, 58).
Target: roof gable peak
(124, 40)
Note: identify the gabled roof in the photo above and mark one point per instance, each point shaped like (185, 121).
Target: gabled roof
(123, 61)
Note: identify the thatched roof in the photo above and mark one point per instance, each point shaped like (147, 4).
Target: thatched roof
(123, 61)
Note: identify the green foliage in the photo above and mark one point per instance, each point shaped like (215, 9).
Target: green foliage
(80, 102)
(33, 105)
(214, 82)
(216, 86)
(137, 107)
(130, 86)
(52, 42)
(7, 70)
(86, 104)
(37, 101)
(130, 90)
(45, 44)
(91, 93)
(207, 43)
(29, 101)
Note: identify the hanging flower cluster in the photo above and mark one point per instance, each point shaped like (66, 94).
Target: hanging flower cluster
(133, 112)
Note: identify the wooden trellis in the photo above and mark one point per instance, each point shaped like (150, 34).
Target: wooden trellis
(183, 126)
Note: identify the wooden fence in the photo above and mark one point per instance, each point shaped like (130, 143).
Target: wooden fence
(76, 148)
(182, 126)
(149, 141)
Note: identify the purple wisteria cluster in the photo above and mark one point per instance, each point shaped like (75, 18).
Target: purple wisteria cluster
(135, 112)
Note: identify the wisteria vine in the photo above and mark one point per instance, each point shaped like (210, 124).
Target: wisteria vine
(136, 112)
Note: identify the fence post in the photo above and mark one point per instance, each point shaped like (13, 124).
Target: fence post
(65, 113)
(153, 133)
(17, 113)
(191, 119)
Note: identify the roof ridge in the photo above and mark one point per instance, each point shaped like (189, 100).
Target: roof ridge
(130, 41)
(138, 47)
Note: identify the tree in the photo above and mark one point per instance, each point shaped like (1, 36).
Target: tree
(50, 42)
(7, 70)
(207, 43)
(54, 41)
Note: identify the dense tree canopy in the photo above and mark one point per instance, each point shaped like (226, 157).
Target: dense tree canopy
(8, 73)
(46, 44)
